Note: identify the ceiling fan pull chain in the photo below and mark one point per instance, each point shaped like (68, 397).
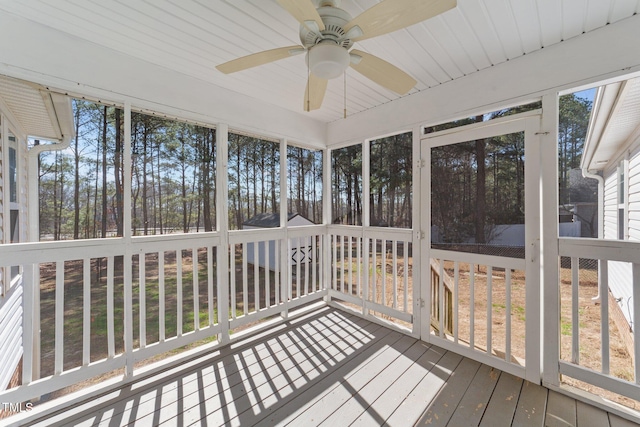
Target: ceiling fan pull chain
(309, 85)
(345, 94)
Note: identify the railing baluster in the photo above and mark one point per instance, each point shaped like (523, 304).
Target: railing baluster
(394, 251)
(256, 276)
(210, 270)
(456, 280)
(298, 273)
(86, 311)
(366, 277)
(374, 264)
(349, 250)
(245, 280)
(314, 263)
(142, 261)
(405, 250)
(196, 289)
(507, 285)
(232, 274)
(307, 241)
(384, 271)
(180, 298)
(267, 275)
(30, 324)
(604, 316)
(334, 281)
(472, 305)
(161, 297)
(279, 280)
(59, 310)
(359, 266)
(441, 298)
(489, 308)
(342, 279)
(575, 305)
(110, 309)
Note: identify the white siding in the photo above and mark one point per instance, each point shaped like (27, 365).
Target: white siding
(611, 205)
(634, 196)
(1, 200)
(10, 334)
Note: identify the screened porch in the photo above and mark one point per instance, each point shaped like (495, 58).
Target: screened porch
(182, 246)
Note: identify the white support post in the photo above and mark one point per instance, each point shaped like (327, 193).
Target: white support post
(423, 301)
(326, 219)
(285, 250)
(5, 270)
(540, 203)
(547, 184)
(416, 227)
(128, 252)
(222, 225)
(636, 320)
(366, 212)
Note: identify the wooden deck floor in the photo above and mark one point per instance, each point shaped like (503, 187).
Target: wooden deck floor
(332, 368)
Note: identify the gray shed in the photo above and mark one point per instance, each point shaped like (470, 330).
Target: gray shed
(301, 248)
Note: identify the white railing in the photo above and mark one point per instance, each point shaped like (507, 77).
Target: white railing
(107, 305)
(371, 269)
(270, 274)
(484, 317)
(586, 272)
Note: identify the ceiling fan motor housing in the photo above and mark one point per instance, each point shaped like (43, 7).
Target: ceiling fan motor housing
(334, 20)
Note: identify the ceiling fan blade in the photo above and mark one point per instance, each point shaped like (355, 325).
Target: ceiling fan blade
(302, 10)
(392, 15)
(314, 94)
(259, 58)
(381, 72)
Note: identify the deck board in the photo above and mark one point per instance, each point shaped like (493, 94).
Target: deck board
(502, 406)
(561, 410)
(588, 416)
(444, 405)
(531, 406)
(476, 397)
(333, 368)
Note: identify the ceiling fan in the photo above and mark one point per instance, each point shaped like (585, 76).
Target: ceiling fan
(327, 35)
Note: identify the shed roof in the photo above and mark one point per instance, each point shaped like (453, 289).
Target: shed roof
(265, 220)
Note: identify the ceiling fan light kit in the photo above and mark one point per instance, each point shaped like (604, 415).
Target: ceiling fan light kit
(328, 60)
(328, 33)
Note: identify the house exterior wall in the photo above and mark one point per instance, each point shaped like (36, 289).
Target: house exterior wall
(634, 193)
(11, 308)
(620, 273)
(611, 205)
(10, 334)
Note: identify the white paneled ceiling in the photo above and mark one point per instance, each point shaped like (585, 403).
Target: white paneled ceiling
(193, 36)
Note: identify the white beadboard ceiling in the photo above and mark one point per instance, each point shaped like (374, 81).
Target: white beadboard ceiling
(193, 36)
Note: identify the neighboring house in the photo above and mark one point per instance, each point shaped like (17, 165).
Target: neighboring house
(26, 112)
(301, 249)
(612, 152)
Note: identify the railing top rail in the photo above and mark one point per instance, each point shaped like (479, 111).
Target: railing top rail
(378, 232)
(490, 260)
(605, 249)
